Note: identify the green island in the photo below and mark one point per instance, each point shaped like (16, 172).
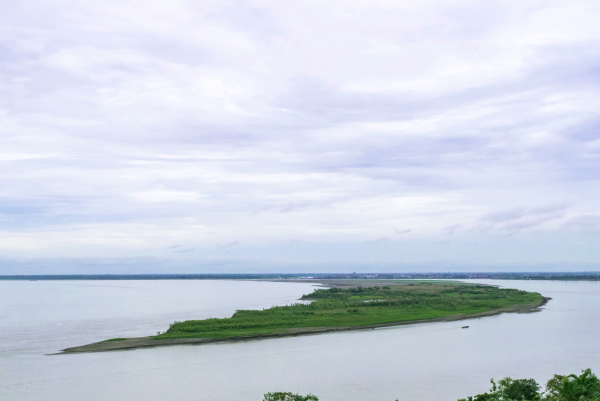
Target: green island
(357, 307)
(347, 306)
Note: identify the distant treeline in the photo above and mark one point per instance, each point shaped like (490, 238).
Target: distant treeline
(583, 387)
(155, 276)
(592, 276)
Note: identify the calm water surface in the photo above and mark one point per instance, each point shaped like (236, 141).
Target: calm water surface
(436, 361)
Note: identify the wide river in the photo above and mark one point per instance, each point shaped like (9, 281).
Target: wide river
(435, 361)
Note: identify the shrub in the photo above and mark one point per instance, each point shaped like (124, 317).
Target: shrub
(289, 397)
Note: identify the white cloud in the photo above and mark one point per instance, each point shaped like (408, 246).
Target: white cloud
(130, 125)
(163, 196)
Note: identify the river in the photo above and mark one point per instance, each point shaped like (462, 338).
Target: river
(435, 361)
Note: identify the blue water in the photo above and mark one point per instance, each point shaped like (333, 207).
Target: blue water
(436, 361)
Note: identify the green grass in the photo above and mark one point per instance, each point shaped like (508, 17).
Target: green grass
(358, 307)
(114, 339)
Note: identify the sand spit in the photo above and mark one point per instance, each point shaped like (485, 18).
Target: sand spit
(149, 342)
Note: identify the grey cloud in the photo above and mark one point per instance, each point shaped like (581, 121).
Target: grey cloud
(379, 240)
(243, 16)
(294, 206)
(261, 209)
(161, 48)
(515, 220)
(186, 250)
(228, 245)
(583, 223)
(402, 232)
(290, 207)
(449, 230)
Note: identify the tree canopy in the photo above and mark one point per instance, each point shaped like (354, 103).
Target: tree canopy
(585, 387)
(279, 396)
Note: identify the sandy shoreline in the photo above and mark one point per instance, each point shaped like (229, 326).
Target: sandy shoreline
(148, 342)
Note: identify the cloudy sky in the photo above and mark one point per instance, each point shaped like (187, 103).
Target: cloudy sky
(249, 136)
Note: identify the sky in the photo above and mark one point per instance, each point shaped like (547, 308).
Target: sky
(305, 136)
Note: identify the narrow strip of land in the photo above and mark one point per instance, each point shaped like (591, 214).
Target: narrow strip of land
(150, 342)
(342, 308)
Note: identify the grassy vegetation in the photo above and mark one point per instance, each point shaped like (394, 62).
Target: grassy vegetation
(357, 307)
(114, 339)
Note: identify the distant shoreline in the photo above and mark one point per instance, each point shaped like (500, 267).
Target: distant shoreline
(558, 276)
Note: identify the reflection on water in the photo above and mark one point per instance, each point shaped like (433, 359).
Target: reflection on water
(437, 361)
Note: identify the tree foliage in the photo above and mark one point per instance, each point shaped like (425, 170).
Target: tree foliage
(585, 387)
(289, 397)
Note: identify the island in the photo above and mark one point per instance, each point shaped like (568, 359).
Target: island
(341, 308)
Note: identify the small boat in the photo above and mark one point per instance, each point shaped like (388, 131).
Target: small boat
(465, 327)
